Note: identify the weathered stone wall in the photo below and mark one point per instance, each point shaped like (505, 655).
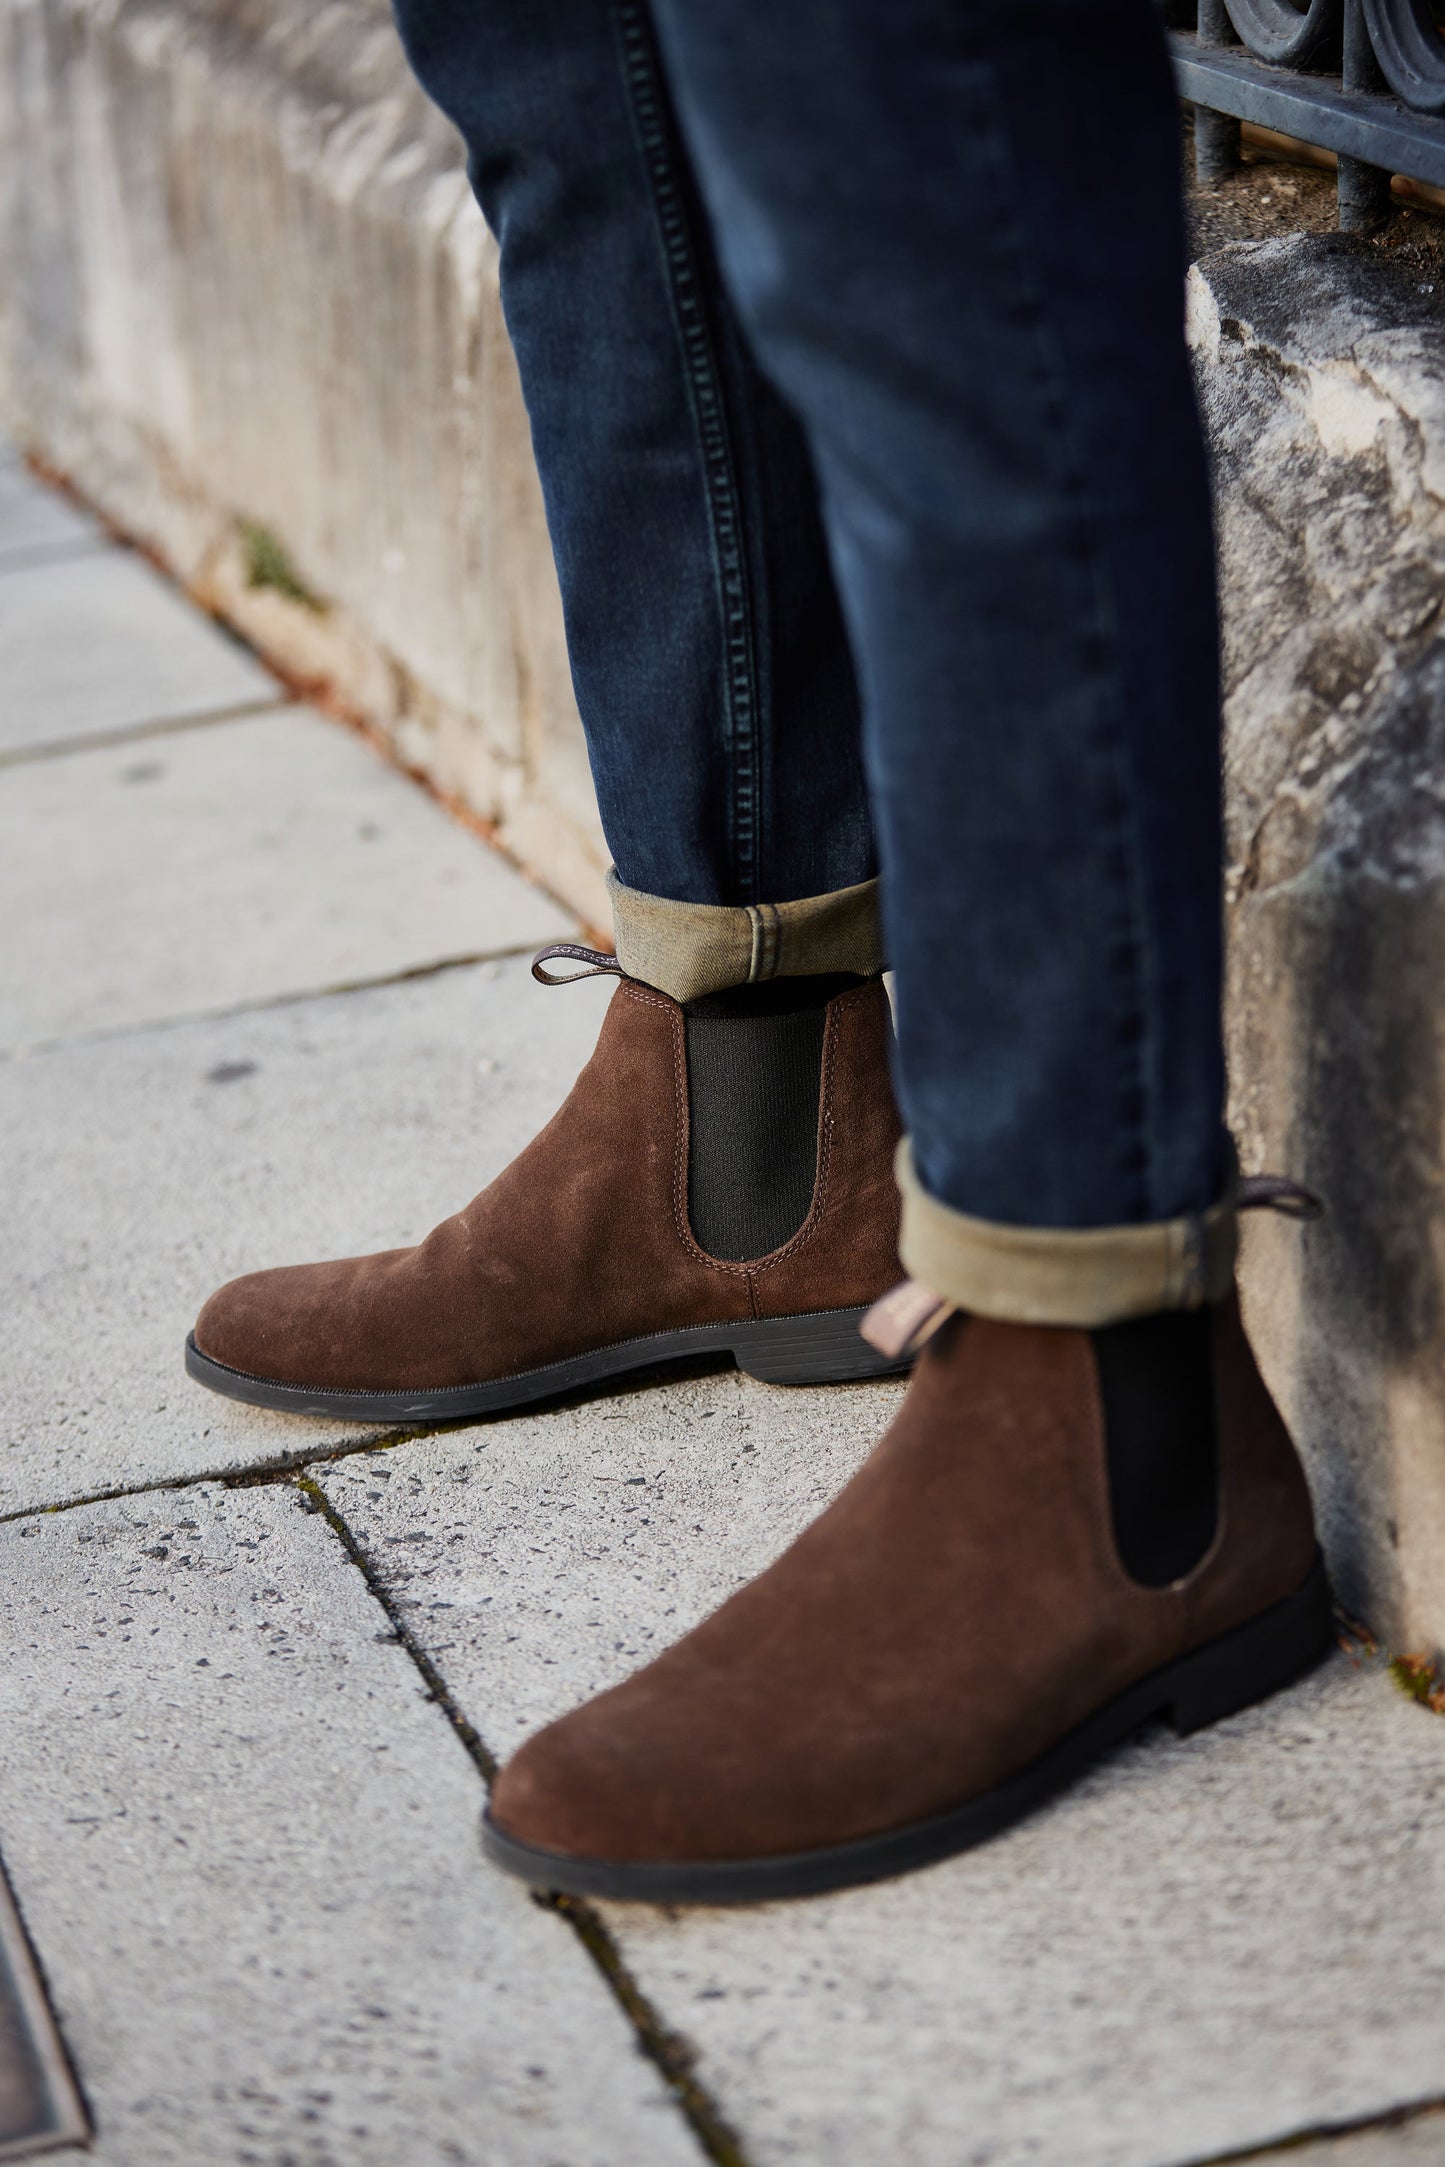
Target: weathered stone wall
(1322, 369)
(243, 280)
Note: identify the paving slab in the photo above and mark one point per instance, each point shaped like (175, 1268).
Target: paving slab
(141, 1172)
(245, 861)
(100, 644)
(543, 1556)
(245, 1842)
(1211, 1944)
(37, 524)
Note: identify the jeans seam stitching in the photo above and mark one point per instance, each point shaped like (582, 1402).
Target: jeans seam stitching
(720, 487)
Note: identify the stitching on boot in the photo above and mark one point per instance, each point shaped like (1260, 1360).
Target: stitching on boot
(671, 1010)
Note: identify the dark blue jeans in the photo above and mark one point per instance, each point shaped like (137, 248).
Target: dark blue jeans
(851, 337)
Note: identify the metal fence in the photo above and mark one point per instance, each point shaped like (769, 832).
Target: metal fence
(1362, 78)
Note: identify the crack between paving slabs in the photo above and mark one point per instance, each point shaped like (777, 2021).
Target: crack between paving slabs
(340, 990)
(1330, 2133)
(672, 2056)
(282, 1465)
(277, 1469)
(127, 733)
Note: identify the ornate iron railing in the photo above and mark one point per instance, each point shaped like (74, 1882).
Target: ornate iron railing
(1362, 78)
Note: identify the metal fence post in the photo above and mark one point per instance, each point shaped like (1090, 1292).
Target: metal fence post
(1363, 190)
(1216, 135)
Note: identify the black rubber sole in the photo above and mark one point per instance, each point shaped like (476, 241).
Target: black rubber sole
(821, 1347)
(1217, 1680)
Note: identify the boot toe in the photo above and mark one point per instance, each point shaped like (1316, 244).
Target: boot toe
(620, 1779)
(562, 1792)
(357, 1324)
(251, 1325)
(667, 1769)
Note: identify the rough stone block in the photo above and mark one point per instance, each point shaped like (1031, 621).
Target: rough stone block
(1322, 371)
(251, 306)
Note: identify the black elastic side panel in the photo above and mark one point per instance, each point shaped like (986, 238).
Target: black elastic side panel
(1156, 1379)
(754, 1069)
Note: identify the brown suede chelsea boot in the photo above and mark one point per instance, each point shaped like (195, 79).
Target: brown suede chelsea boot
(719, 1180)
(1064, 1535)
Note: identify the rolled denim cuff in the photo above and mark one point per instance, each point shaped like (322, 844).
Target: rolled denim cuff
(689, 949)
(1086, 1277)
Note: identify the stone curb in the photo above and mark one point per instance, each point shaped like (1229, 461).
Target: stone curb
(251, 310)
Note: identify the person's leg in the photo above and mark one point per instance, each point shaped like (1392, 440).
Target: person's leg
(710, 663)
(953, 232)
(720, 1176)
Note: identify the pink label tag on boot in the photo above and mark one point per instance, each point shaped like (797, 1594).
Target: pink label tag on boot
(903, 1319)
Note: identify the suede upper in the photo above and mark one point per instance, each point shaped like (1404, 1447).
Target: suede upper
(957, 1610)
(583, 1239)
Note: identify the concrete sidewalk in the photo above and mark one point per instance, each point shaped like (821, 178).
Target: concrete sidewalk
(260, 999)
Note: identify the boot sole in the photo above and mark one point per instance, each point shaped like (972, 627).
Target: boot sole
(1225, 1675)
(820, 1347)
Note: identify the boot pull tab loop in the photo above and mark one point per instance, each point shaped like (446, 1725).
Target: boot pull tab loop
(903, 1319)
(1271, 1192)
(597, 964)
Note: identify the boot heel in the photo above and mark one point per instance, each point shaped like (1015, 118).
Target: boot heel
(1256, 1659)
(824, 1348)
